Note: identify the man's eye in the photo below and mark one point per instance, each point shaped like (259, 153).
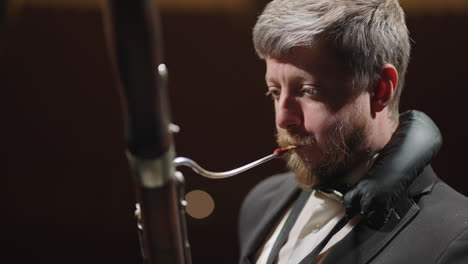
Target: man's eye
(273, 93)
(310, 91)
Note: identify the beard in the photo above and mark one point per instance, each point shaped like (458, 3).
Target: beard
(338, 153)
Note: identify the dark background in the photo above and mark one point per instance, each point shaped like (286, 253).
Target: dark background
(66, 193)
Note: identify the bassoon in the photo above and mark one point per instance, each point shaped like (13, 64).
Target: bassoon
(135, 41)
(134, 37)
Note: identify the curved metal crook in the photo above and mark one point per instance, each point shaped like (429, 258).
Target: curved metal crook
(182, 161)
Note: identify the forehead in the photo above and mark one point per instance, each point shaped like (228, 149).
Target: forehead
(316, 60)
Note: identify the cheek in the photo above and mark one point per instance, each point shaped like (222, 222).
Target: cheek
(322, 120)
(317, 121)
(351, 121)
(277, 116)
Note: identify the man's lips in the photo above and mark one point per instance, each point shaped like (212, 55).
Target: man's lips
(281, 151)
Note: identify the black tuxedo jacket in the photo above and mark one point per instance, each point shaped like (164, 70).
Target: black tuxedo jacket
(428, 225)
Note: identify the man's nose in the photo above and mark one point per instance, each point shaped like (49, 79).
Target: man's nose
(288, 113)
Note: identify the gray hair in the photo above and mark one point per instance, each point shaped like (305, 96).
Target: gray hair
(365, 34)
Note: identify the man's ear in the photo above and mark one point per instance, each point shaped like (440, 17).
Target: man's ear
(384, 89)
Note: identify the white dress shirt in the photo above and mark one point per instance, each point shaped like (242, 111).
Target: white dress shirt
(320, 213)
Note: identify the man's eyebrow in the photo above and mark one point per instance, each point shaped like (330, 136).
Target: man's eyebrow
(269, 79)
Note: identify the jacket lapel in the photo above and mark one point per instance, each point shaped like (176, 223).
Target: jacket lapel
(363, 243)
(283, 197)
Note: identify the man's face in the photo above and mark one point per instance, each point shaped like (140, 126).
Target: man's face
(317, 110)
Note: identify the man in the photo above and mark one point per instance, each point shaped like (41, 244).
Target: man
(335, 71)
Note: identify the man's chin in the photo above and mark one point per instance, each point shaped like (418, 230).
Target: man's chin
(309, 177)
(304, 170)
(309, 155)
(311, 171)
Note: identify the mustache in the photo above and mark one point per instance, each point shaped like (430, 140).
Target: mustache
(285, 139)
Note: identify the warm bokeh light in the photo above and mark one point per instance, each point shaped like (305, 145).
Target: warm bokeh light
(200, 204)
